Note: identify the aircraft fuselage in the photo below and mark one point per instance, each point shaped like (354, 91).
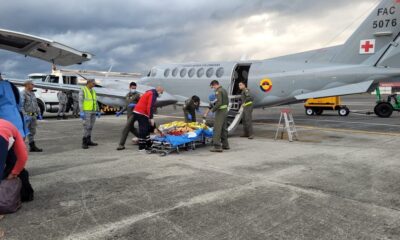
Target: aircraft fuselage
(271, 82)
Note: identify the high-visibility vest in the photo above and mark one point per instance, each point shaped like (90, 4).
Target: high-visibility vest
(248, 104)
(89, 100)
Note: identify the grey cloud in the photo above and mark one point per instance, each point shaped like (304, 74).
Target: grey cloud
(134, 35)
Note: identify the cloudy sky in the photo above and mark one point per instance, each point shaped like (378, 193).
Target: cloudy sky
(134, 35)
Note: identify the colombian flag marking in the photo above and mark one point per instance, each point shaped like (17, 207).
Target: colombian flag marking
(266, 85)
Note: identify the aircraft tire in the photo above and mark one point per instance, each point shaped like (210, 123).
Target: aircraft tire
(384, 110)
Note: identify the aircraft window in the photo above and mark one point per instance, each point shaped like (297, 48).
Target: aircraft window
(183, 72)
(210, 72)
(220, 72)
(153, 72)
(166, 72)
(37, 78)
(70, 80)
(53, 79)
(175, 72)
(192, 71)
(200, 72)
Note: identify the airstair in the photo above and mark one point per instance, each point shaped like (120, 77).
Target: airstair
(235, 113)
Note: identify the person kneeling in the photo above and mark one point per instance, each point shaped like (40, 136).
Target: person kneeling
(13, 157)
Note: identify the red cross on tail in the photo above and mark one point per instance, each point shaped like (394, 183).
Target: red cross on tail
(367, 46)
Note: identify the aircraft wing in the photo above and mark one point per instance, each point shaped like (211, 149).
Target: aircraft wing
(41, 48)
(164, 100)
(350, 89)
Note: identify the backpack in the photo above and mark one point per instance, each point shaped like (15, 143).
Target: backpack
(10, 195)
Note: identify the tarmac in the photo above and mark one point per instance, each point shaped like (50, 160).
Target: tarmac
(339, 181)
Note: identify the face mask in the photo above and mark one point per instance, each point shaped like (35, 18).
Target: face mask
(133, 91)
(160, 94)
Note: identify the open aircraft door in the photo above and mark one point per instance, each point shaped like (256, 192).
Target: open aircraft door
(240, 74)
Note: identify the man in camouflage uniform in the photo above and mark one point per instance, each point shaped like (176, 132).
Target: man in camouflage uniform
(190, 108)
(75, 99)
(132, 98)
(220, 138)
(247, 105)
(31, 111)
(62, 104)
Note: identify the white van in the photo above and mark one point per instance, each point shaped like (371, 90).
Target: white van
(47, 99)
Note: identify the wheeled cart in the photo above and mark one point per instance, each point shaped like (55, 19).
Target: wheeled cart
(164, 145)
(316, 106)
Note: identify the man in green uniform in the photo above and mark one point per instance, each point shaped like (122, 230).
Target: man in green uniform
(220, 138)
(89, 110)
(247, 105)
(190, 108)
(132, 98)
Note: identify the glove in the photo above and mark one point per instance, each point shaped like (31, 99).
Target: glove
(82, 115)
(190, 117)
(118, 114)
(98, 114)
(132, 105)
(40, 117)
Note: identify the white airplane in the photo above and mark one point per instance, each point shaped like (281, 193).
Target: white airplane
(369, 56)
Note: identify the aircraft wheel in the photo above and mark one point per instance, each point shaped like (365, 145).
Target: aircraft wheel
(343, 112)
(319, 111)
(384, 110)
(310, 111)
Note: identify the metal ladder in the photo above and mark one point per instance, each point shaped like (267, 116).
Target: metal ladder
(235, 113)
(287, 126)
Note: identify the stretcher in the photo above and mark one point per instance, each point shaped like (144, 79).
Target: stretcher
(166, 144)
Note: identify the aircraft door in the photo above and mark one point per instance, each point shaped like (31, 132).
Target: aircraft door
(239, 74)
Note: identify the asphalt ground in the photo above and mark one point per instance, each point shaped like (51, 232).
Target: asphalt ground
(339, 181)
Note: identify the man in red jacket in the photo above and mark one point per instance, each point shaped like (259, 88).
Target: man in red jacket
(13, 153)
(143, 112)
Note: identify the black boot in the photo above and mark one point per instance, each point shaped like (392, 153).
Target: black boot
(34, 148)
(90, 143)
(85, 143)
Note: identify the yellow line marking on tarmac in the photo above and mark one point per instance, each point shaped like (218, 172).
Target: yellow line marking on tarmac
(338, 130)
(317, 128)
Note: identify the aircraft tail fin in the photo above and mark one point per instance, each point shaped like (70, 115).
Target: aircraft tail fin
(376, 41)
